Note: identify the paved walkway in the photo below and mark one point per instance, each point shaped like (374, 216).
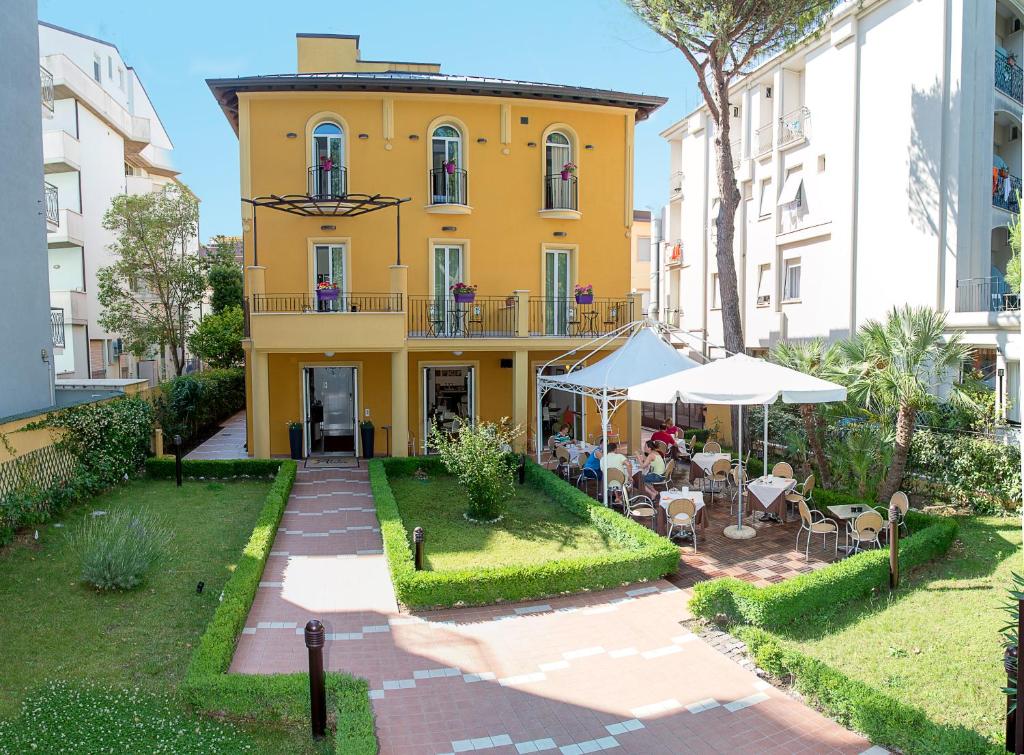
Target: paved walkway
(228, 443)
(606, 670)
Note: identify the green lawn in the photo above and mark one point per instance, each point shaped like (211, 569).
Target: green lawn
(935, 645)
(532, 530)
(54, 627)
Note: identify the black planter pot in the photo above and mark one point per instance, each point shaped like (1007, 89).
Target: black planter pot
(366, 441)
(295, 442)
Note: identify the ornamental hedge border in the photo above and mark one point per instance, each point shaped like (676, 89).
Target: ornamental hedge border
(646, 555)
(883, 719)
(810, 594)
(208, 686)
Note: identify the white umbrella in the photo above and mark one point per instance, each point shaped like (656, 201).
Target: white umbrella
(739, 380)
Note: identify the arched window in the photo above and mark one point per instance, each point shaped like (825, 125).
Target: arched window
(447, 173)
(560, 173)
(327, 172)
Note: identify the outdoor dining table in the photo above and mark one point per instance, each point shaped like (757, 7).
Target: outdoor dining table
(666, 497)
(770, 492)
(575, 449)
(844, 512)
(701, 463)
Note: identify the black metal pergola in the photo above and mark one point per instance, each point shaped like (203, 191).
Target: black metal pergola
(328, 206)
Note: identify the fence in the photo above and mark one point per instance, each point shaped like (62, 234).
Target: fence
(570, 318)
(44, 468)
(306, 302)
(485, 316)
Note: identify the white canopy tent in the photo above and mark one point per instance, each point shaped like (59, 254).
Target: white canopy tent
(739, 380)
(645, 357)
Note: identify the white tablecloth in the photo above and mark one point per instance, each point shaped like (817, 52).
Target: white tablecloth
(577, 448)
(767, 489)
(706, 461)
(668, 496)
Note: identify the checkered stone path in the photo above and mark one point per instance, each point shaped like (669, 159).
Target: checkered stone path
(610, 670)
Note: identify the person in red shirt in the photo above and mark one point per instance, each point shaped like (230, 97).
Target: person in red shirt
(665, 435)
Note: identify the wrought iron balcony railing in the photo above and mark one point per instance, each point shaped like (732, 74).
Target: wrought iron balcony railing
(57, 327)
(986, 295)
(568, 317)
(52, 205)
(307, 302)
(561, 193)
(763, 139)
(448, 188)
(46, 90)
(1009, 77)
(484, 317)
(793, 126)
(675, 182)
(1005, 190)
(327, 182)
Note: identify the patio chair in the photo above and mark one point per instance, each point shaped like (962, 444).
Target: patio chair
(666, 478)
(639, 507)
(616, 484)
(782, 469)
(682, 514)
(813, 522)
(865, 529)
(903, 504)
(805, 494)
(712, 447)
(717, 481)
(662, 447)
(565, 465)
(736, 478)
(436, 325)
(585, 478)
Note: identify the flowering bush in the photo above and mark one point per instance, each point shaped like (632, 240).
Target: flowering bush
(479, 456)
(118, 549)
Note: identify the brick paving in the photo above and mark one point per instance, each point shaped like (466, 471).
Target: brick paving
(606, 670)
(227, 443)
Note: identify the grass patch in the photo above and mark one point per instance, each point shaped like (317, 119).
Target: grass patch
(532, 530)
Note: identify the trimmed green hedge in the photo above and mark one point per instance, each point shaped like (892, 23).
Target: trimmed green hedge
(188, 405)
(209, 687)
(883, 719)
(162, 468)
(646, 555)
(819, 591)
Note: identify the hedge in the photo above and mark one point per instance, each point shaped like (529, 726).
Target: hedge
(883, 719)
(189, 405)
(821, 591)
(645, 555)
(208, 686)
(162, 468)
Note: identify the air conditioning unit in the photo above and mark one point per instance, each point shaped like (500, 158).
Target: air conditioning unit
(764, 299)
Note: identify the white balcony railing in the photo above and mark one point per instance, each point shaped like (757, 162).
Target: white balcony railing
(675, 182)
(763, 139)
(793, 126)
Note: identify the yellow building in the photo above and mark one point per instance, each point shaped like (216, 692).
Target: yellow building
(387, 183)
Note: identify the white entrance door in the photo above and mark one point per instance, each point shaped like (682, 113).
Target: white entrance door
(329, 266)
(556, 285)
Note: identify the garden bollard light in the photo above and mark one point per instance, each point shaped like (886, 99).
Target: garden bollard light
(522, 469)
(1010, 666)
(895, 516)
(417, 539)
(315, 636)
(177, 459)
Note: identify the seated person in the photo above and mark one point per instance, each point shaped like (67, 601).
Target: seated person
(672, 429)
(592, 469)
(563, 435)
(615, 460)
(663, 434)
(652, 465)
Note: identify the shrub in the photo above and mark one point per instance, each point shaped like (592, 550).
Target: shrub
(118, 549)
(477, 456)
(162, 468)
(644, 555)
(190, 404)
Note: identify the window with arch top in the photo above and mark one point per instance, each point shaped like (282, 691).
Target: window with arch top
(559, 173)
(447, 172)
(327, 173)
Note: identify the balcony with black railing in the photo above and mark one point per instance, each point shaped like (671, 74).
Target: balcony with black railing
(578, 318)
(986, 295)
(561, 192)
(1009, 76)
(46, 90)
(335, 302)
(52, 204)
(1005, 191)
(57, 327)
(483, 317)
(448, 186)
(327, 181)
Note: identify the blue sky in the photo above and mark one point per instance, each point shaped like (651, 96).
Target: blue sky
(174, 46)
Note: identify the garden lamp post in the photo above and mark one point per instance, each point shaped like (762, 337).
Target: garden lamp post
(315, 636)
(177, 460)
(417, 539)
(895, 517)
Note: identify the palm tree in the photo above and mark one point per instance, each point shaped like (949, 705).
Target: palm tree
(821, 360)
(896, 368)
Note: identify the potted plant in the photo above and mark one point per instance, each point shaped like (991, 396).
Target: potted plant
(326, 164)
(463, 292)
(449, 166)
(584, 294)
(366, 438)
(295, 439)
(326, 291)
(567, 170)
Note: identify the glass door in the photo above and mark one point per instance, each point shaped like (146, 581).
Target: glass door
(556, 286)
(447, 272)
(445, 147)
(328, 160)
(329, 260)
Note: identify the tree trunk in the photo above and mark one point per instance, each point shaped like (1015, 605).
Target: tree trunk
(904, 433)
(814, 441)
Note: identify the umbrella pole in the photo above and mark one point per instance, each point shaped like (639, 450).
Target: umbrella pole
(604, 444)
(765, 448)
(539, 423)
(738, 531)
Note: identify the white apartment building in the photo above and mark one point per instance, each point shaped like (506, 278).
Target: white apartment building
(103, 138)
(878, 164)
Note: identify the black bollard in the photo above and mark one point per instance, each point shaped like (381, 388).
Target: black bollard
(317, 694)
(177, 459)
(1010, 666)
(522, 469)
(417, 539)
(894, 546)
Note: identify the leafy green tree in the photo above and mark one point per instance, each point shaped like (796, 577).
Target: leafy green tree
(225, 274)
(813, 358)
(155, 282)
(897, 368)
(217, 339)
(1013, 266)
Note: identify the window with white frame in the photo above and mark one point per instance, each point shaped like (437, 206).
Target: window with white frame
(764, 285)
(327, 171)
(447, 173)
(791, 196)
(560, 173)
(791, 279)
(716, 293)
(765, 208)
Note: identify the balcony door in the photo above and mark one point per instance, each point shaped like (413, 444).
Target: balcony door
(329, 266)
(445, 148)
(328, 160)
(558, 193)
(449, 268)
(557, 303)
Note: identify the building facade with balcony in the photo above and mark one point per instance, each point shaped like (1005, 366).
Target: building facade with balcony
(641, 258)
(878, 164)
(370, 189)
(26, 377)
(102, 138)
